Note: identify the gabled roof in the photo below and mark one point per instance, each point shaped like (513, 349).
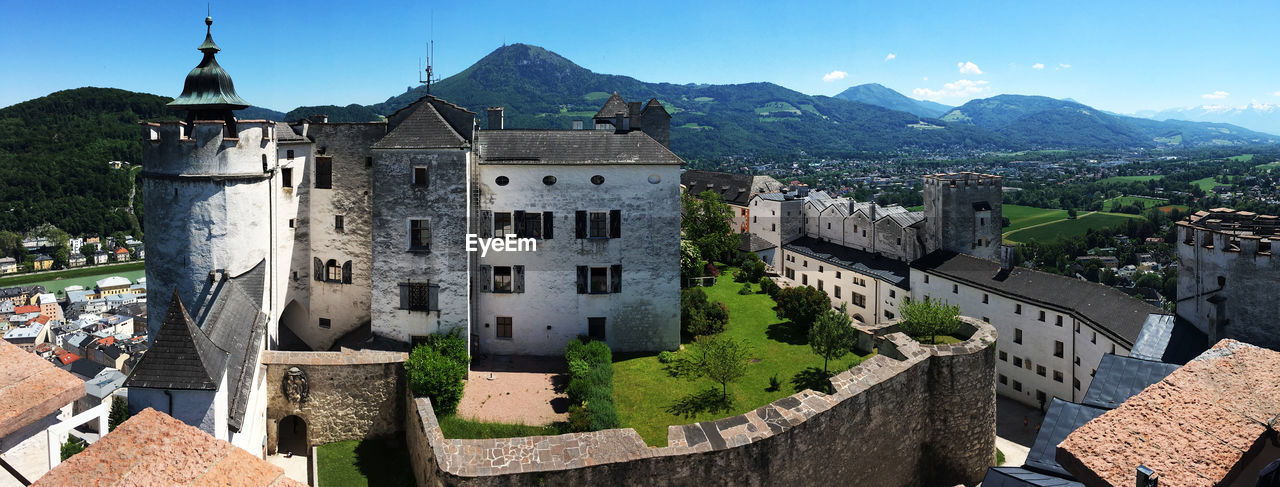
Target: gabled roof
(572, 147)
(1107, 310)
(889, 270)
(733, 188)
(235, 323)
(753, 243)
(1169, 339)
(423, 128)
(181, 357)
(614, 105)
(1061, 419)
(1119, 378)
(1021, 477)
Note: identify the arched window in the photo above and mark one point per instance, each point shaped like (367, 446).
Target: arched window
(332, 271)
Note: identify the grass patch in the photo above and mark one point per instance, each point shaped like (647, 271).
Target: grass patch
(999, 457)
(1129, 179)
(595, 96)
(81, 276)
(1116, 203)
(1206, 184)
(358, 463)
(915, 208)
(1024, 216)
(943, 340)
(1068, 228)
(649, 399)
(462, 428)
(1242, 158)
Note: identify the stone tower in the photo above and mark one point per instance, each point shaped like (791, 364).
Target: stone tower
(207, 187)
(962, 213)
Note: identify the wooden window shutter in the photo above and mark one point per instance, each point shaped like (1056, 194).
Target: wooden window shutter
(346, 273)
(404, 295)
(433, 297)
(615, 278)
(319, 269)
(517, 278)
(486, 224)
(517, 223)
(486, 278)
(582, 279)
(615, 223)
(580, 224)
(547, 219)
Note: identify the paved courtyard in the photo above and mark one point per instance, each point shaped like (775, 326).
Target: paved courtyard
(515, 389)
(295, 467)
(1012, 437)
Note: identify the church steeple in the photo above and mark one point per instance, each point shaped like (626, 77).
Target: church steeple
(208, 93)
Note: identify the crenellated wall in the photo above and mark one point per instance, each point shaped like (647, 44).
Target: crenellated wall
(912, 415)
(1236, 271)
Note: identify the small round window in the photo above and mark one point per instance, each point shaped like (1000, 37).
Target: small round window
(597, 180)
(502, 180)
(549, 180)
(654, 179)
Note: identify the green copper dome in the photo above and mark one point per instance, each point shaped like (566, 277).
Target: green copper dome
(208, 86)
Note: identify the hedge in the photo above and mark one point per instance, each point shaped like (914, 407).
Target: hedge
(590, 387)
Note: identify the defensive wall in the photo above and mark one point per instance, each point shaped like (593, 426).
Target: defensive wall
(346, 395)
(911, 415)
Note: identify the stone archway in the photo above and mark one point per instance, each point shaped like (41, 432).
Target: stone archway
(291, 436)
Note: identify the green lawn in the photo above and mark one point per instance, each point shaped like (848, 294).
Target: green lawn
(1024, 216)
(1068, 228)
(1242, 158)
(1129, 179)
(455, 427)
(358, 463)
(1206, 184)
(649, 399)
(54, 282)
(1116, 203)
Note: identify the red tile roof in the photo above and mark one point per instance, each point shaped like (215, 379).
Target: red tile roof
(31, 388)
(152, 448)
(31, 308)
(42, 319)
(122, 250)
(67, 357)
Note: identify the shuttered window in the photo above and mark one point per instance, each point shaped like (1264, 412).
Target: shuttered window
(615, 223)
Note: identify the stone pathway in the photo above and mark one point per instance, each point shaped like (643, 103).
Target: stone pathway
(294, 468)
(1012, 438)
(515, 389)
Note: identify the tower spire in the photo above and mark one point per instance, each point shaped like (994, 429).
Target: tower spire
(208, 92)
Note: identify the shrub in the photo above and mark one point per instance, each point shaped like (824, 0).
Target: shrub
(752, 269)
(711, 270)
(746, 289)
(802, 305)
(699, 316)
(71, 447)
(666, 357)
(437, 369)
(928, 319)
(590, 387)
(767, 286)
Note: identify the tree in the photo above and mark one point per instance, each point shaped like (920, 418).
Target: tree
(708, 223)
(721, 359)
(1071, 213)
(751, 270)
(832, 335)
(929, 318)
(802, 305)
(71, 447)
(87, 250)
(61, 256)
(119, 412)
(10, 243)
(691, 262)
(698, 316)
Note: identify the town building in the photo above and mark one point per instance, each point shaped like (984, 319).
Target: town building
(100, 257)
(120, 254)
(8, 265)
(734, 189)
(42, 263)
(113, 285)
(49, 306)
(1227, 274)
(76, 260)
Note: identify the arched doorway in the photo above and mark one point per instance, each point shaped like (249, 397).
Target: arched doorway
(291, 436)
(293, 318)
(858, 320)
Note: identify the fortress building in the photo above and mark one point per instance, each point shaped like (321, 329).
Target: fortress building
(1227, 275)
(315, 235)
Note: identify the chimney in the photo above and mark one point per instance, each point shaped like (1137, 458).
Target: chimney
(1147, 477)
(1006, 258)
(320, 118)
(621, 122)
(495, 118)
(577, 124)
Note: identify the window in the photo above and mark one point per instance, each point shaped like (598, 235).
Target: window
(1057, 349)
(502, 224)
(504, 326)
(1094, 339)
(325, 323)
(292, 222)
(502, 180)
(859, 300)
(532, 224)
(332, 272)
(502, 279)
(1004, 356)
(368, 161)
(599, 280)
(1017, 386)
(1040, 371)
(888, 315)
(1057, 376)
(1077, 360)
(1040, 396)
(1003, 379)
(892, 293)
(1059, 320)
(837, 274)
(804, 279)
(1041, 316)
(1028, 363)
(419, 235)
(598, 225)
(986, 320)
(828, 225)
(324, 172)
(819, 268)
(1113, 349)
(955, 289)
(837, 292)
(1017, 361)
(1017, 309)
(596, 328)
(1017, 335)
(1075, 383)
(926, 278)
(338, 223)
(419, 296)
(985, 298)
(819, 284)
(419, 175)
(288, 154)
(804, 263)
(286, 176)
(549, 180)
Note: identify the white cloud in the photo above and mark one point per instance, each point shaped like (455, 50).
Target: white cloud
(967, 67)
(890, 57)
(926, 78)
(1063, 66)
(834, 75)
(1276, 93)
(956, 89)
(1037, 66)
(1217, 95)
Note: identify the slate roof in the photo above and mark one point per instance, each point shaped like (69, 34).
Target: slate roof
(1020, 477)
(236, 323)
(571, 147)
(285, 133)
(612, 106)
(735, 189)
(753, 243)
(882, 268)
(1061, 419)
(182, 357)
(424, 128)
(1169, 339)
(1120, 378)
(1111, 312)
(907, 218)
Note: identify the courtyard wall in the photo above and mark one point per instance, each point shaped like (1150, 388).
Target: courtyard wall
(351, 395)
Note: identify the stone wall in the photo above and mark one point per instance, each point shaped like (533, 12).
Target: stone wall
(912, 415)
(350, 394)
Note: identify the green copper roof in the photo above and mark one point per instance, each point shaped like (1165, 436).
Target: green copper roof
(208, 86)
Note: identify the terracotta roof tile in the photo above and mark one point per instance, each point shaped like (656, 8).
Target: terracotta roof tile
(31, 388)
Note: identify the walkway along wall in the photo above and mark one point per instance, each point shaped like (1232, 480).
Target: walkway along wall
(912, 415)
(348, 395)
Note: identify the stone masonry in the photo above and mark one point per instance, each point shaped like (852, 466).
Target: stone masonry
(350, 394)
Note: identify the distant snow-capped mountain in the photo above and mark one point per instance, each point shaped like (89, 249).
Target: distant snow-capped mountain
(1263, 117)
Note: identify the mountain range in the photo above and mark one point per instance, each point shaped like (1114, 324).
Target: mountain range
(881, 96)
(1264, 117)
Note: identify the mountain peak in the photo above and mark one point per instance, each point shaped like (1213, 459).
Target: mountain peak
(882, 96)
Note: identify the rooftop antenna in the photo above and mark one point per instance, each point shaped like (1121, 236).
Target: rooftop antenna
(431, 54)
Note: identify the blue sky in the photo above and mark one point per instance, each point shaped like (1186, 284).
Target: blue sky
(1120, 56)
